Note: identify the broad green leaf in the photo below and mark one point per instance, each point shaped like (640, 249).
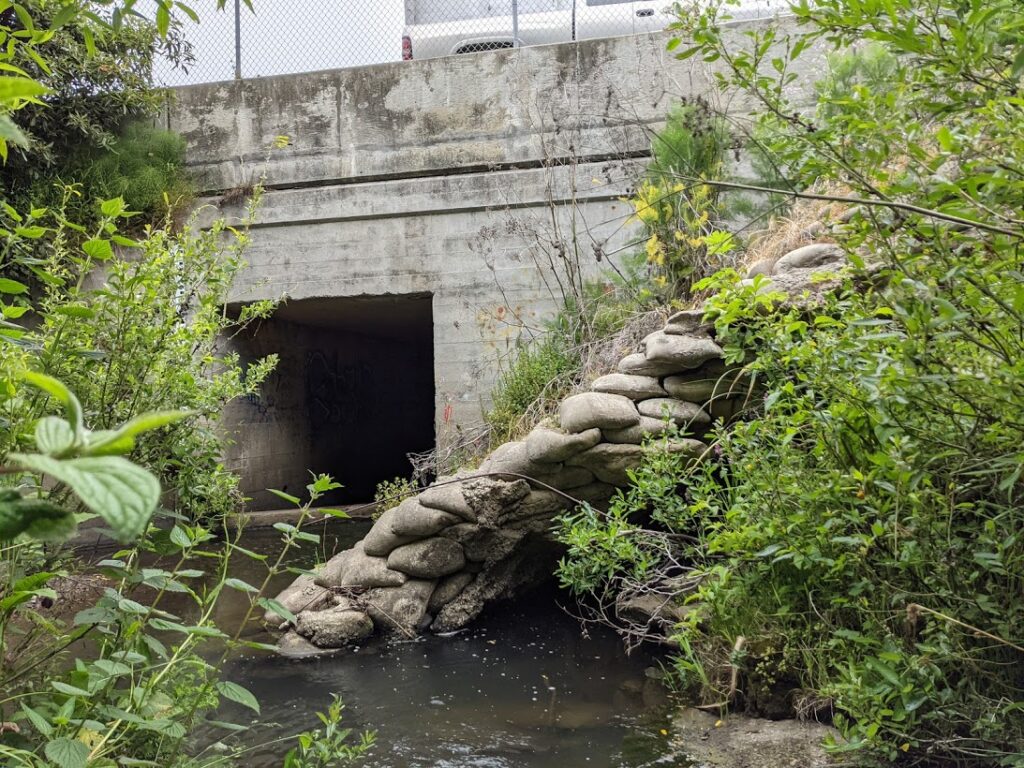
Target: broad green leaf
(12, 286)
(95, 616)
(75, 310)
(163, 20)
(276, 608)
(125, 434)
(24, 17)
(57, 390)
(36, 517)
(257, 646)
(90, 41)
(286, 496)
(228, 726)
(69, 690)
(188, 11)
(155, 646)
(196, 629)
(12, 88)
(67, 753)
(54, 435)
(15, 599)
(30, 233)
(113, 207)
(240, 585)
(13, 313)
(248, 552)
(341, 514)
(112, 668)
(322, 484)
(235, 692)
(180, 537)
(38, 721)
(36, 580)
(120, 492)
(167, 727)
(99, 249)
(103, 443)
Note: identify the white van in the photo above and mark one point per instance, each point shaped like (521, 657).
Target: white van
(445, 27)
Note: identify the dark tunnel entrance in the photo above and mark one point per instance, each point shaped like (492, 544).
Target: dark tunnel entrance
(352, 395)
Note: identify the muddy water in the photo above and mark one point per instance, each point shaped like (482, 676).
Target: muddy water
(524, 687)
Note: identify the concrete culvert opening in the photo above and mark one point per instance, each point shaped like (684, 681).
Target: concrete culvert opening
(352, 395)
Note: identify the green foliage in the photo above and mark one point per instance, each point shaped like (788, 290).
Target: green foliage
(117, 490)
(148, 683)
(859, 540)
(868, 519)
(870, 67)
(97, 78)
(540, 371)
(626, 543)
(328, 746)
(679, 213)
(125, 348)
(118, 698)
(389, 492)
(113, 331)
(142, 165)
(549, 364)
(693, 142)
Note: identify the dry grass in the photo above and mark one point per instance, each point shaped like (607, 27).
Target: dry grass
(807, 222)
(603, 355)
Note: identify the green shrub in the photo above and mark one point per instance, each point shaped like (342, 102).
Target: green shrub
(390, 492)
(144, 166)
(868, 522)
(614, 551)
(541, 371)
(148, 337)
(683, 240)
(693, 142)
(100, 81)
(133, 325)
(858, 544)
(549, 365)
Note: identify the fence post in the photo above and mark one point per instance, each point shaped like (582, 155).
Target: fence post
(238, 39)
(515, 23)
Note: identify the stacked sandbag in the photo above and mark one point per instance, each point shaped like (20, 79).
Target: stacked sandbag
(435, 560)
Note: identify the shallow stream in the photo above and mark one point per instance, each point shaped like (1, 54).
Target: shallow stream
(522, 687)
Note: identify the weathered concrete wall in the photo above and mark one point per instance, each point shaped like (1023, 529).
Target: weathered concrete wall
(456, 177)
(502, 108)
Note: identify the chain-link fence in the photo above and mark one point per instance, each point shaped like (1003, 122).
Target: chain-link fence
(284, 37)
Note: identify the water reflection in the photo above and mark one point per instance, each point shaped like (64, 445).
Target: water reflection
(524, 687)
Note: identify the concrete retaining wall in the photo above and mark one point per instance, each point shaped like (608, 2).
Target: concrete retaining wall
(453, 177)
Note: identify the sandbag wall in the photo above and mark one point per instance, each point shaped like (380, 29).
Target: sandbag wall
(436, 559)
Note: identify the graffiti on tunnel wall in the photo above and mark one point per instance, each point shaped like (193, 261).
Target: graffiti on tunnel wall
(339, 393)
